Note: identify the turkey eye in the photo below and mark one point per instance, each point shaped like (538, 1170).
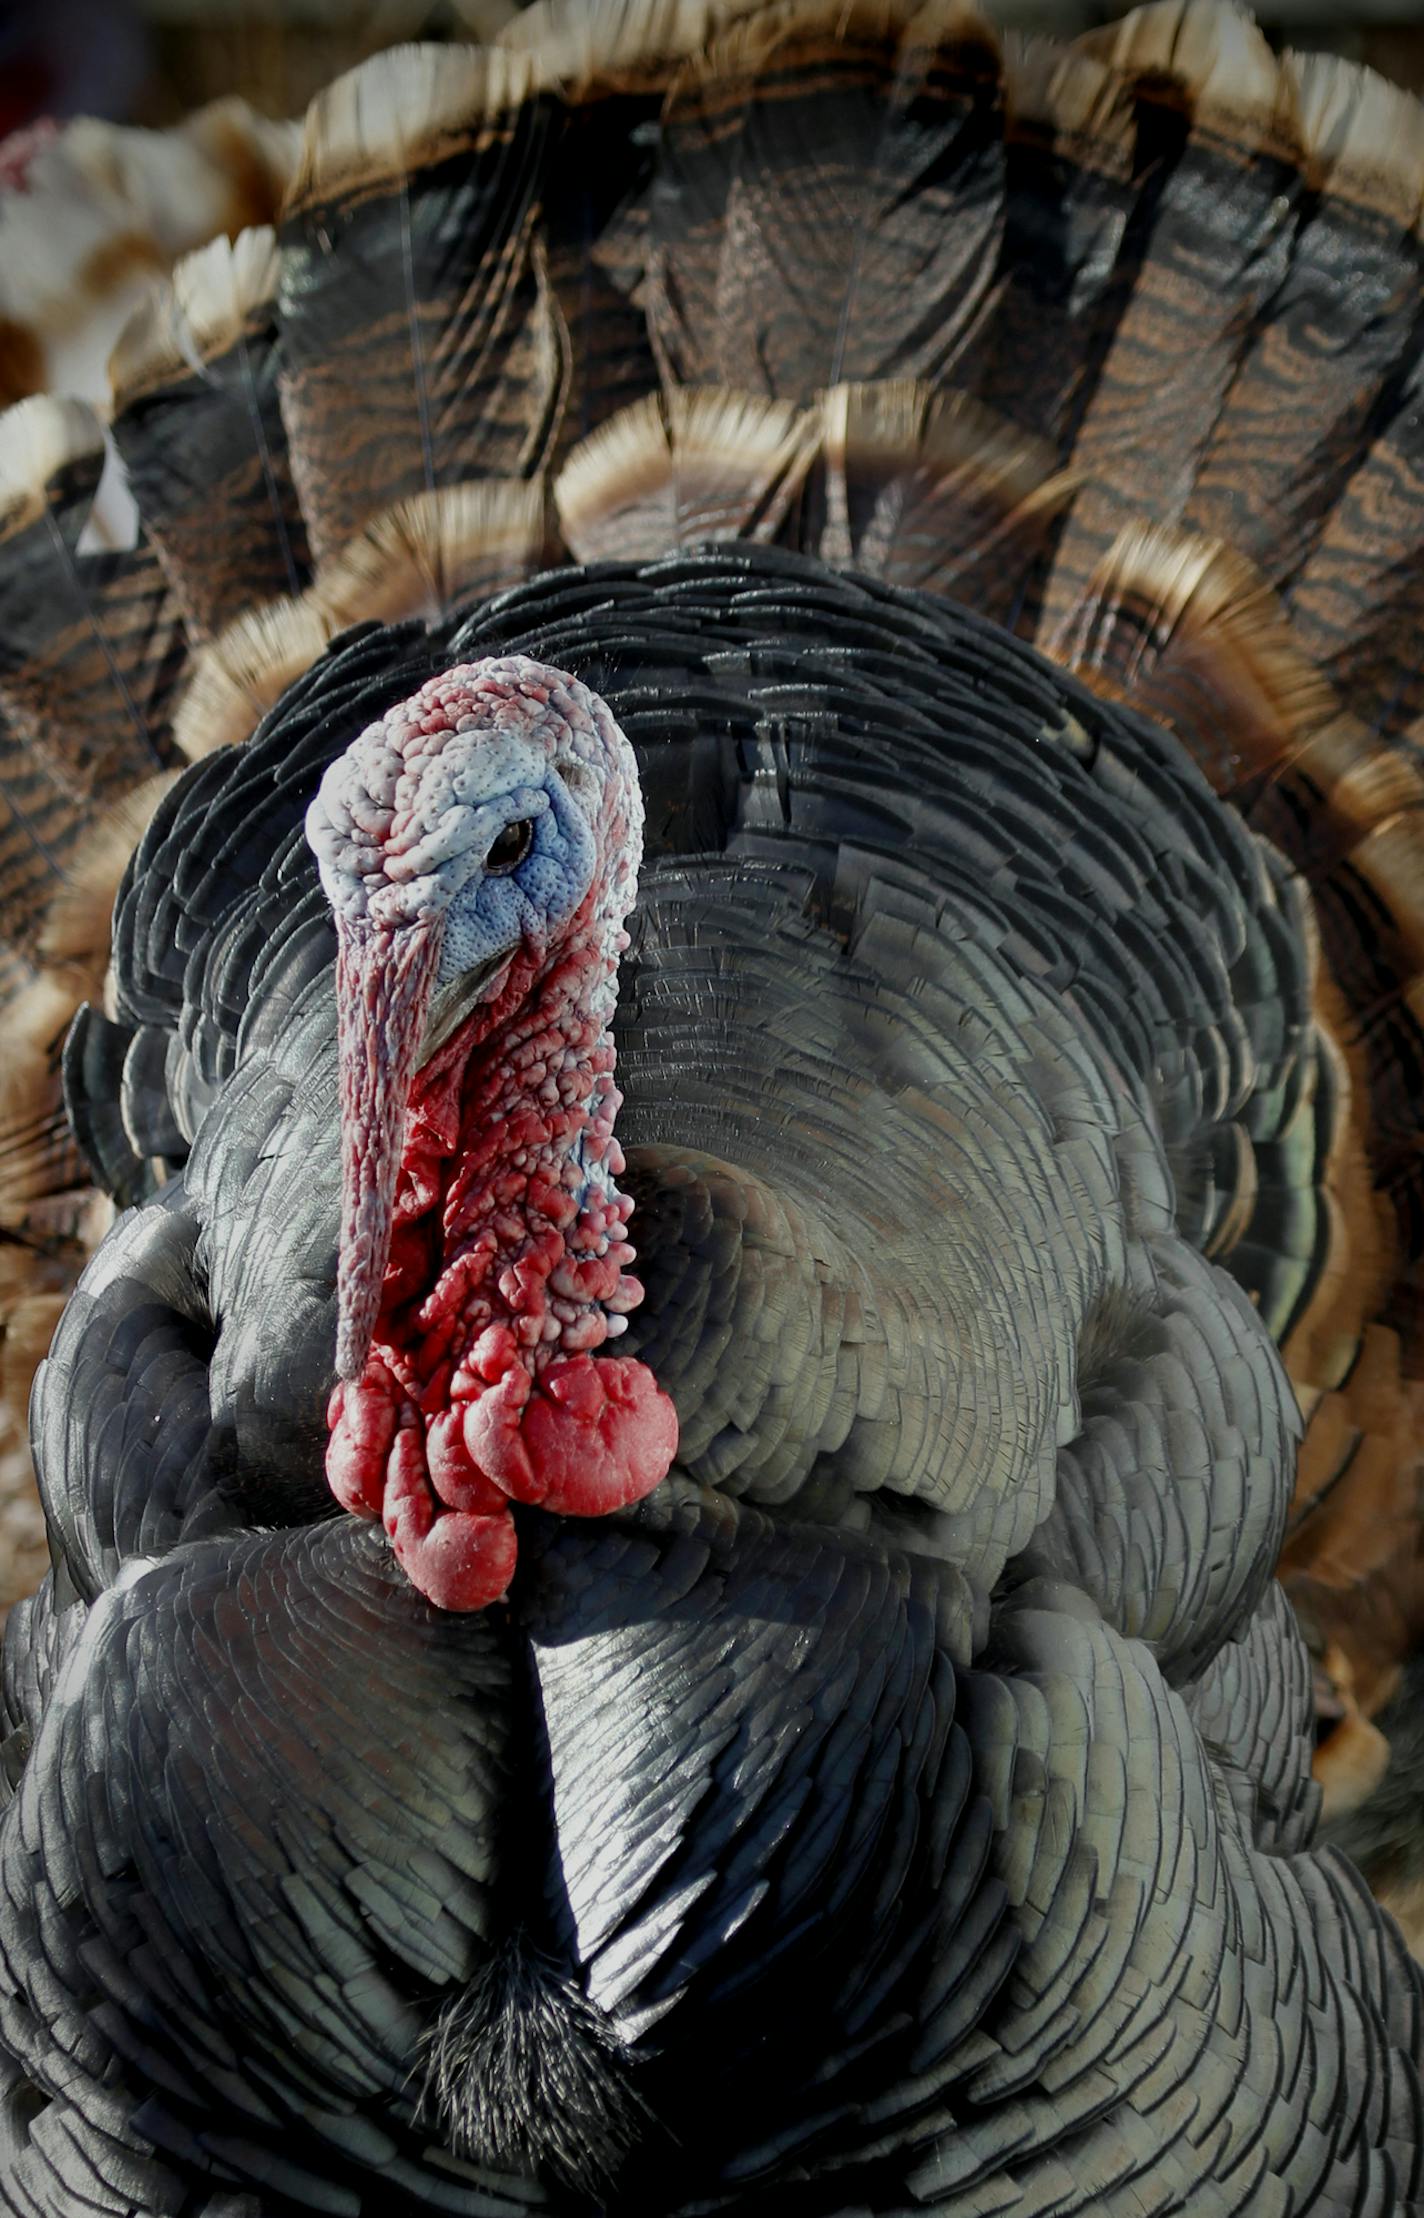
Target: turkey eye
(510, 848)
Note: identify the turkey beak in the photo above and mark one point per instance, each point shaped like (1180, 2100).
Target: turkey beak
(385, 978)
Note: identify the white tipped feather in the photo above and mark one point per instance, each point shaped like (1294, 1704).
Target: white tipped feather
(577, 42)
(704, 464)
(1164, 596)
(904, 419)
(1211, 46)
(199, 313)
(1363, 136)
(1077, 95)
(925, 486)
(624, 463)
(38, 438)
(403, 107)
(245, 670)
(1182, 576)
(423, 556)
(218, 286)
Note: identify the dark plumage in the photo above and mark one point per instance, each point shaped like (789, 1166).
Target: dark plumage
(907, 1804)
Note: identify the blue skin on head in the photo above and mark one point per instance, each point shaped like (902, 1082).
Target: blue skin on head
(494, 911)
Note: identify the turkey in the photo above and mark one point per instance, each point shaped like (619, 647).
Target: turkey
(757, 1060)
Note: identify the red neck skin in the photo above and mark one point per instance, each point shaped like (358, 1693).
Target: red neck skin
(506, 1273)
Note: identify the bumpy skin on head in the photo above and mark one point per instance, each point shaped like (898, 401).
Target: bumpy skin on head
(405, 817)
(483, 1239)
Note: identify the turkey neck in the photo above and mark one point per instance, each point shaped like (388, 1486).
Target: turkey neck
(509, 1231)
(505, 1273)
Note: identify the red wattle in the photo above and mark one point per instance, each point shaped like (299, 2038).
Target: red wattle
(362, 1422)
(593, 1434)
(454, 1476)
(458, 1559)
(586, 1436)
(504, 1279)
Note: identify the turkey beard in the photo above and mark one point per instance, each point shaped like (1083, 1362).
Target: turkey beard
(483, 1253)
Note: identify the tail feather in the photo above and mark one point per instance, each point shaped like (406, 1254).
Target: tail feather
(1357, 1494)
(829, 202)
(1357, 603)
(1069, 189)
(1206, 247)
(667, 473)
(579, 46)
(421, 342)
(607, 64)
(237, 677)
(1187, 629)
(429, 553)
(1318, 375)
(93, 643)
(197, 423)
(596, 232)
(931, 490)
(91, 650)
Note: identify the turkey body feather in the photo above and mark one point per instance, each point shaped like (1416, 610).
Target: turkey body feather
(906, 1804)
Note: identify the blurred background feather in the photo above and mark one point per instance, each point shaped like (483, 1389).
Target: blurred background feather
(152, 61)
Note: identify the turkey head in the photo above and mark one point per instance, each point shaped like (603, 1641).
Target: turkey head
(479, 845)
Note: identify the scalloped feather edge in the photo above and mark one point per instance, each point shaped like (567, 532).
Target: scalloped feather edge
(577, 46)
(1160, 588)
(1076, 95)
(409, 106)
(904, 421)
(426, 554)
(39, 437)
(245, 670)
(696, 463)
(1363, 137)
(196, 315)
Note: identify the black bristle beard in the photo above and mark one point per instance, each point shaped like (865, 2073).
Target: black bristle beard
(522, 2073)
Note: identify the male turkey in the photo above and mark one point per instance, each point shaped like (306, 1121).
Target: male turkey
(811, 1727)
